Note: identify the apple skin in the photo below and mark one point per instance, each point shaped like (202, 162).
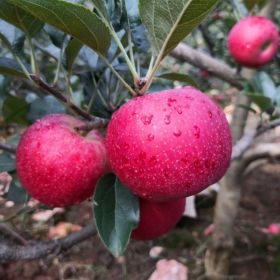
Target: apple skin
(158, 218)
(253, 41)
(57, 165)
(169, 144)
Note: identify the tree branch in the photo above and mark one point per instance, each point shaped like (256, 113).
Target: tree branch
(38, 250)
(99, 122)
(8, 148)
(204, 61)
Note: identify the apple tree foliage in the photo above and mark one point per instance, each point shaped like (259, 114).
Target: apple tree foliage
(100, 53)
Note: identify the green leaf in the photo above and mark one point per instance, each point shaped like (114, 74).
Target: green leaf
(16, 192)
(9, 66)
(71, 52)
(20, 18)
(116, 212)
(7, 163)
(265, 85)
(101, 7)
(263, 102)
(170, 21)
(44, 106)
(250, 4)
(178, 77)
(73, 19)
(15, 110)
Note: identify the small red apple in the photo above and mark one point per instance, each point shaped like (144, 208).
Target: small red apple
(169, 144)
(57, 165)
(157, 218)
(253, 41)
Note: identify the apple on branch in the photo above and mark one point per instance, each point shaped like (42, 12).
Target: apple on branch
(56, 164)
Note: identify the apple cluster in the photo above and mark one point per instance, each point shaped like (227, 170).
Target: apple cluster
(163, 146)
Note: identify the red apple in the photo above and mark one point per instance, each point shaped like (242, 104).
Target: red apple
(57, 165)
(169, 144)
(253, 41)
(157, 218)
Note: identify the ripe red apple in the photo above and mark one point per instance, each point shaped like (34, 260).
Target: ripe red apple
(157, 218)
(57, 165)
(253, 41)
(169, 144)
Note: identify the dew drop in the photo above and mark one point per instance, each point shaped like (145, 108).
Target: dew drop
(196, 131)
(167, 119)
(179, 110)
(147, 119)
(177, 133)
(151, 137)
(210, 114)
(170, 101)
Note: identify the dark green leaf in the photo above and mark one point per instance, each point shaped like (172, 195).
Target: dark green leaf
(100, 6)
(71, 52)
(16, 192)
(263, 102)
(55, 35)
(71, 18)
(12, 36)
(7, 162)
(265, 85)
(11, 67)
(20, 18)
(250, 4)
(44, 106)
(178, 77)
(15, 110)
(116, 212)
(169, 22)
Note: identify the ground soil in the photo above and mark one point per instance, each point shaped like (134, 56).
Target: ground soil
(256, 255)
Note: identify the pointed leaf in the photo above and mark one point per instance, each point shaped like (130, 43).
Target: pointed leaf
(116, 212)
(71, 18)
(15, 110)
(71, 52)
(20, 18)
(9, 66)
(178, 77)
(265, 85)
(7, 162)
(170, 21)
(250, 4)
(100, 6)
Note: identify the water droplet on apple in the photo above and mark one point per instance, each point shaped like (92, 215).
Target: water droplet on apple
(196, 131)
(179, 110)
(147, 119)
(177, 133)
(151, 137)
(170, 101)
(167, 119)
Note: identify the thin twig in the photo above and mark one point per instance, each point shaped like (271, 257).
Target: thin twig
(4, 228)
(99, 122)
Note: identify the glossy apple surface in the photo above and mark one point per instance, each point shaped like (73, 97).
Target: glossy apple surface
(169, 144)
(57, 165)
(253, 41)
(158, 218)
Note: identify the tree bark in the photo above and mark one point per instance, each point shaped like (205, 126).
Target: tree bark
(217, 259)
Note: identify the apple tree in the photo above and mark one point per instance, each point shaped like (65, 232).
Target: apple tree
(97, 111)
